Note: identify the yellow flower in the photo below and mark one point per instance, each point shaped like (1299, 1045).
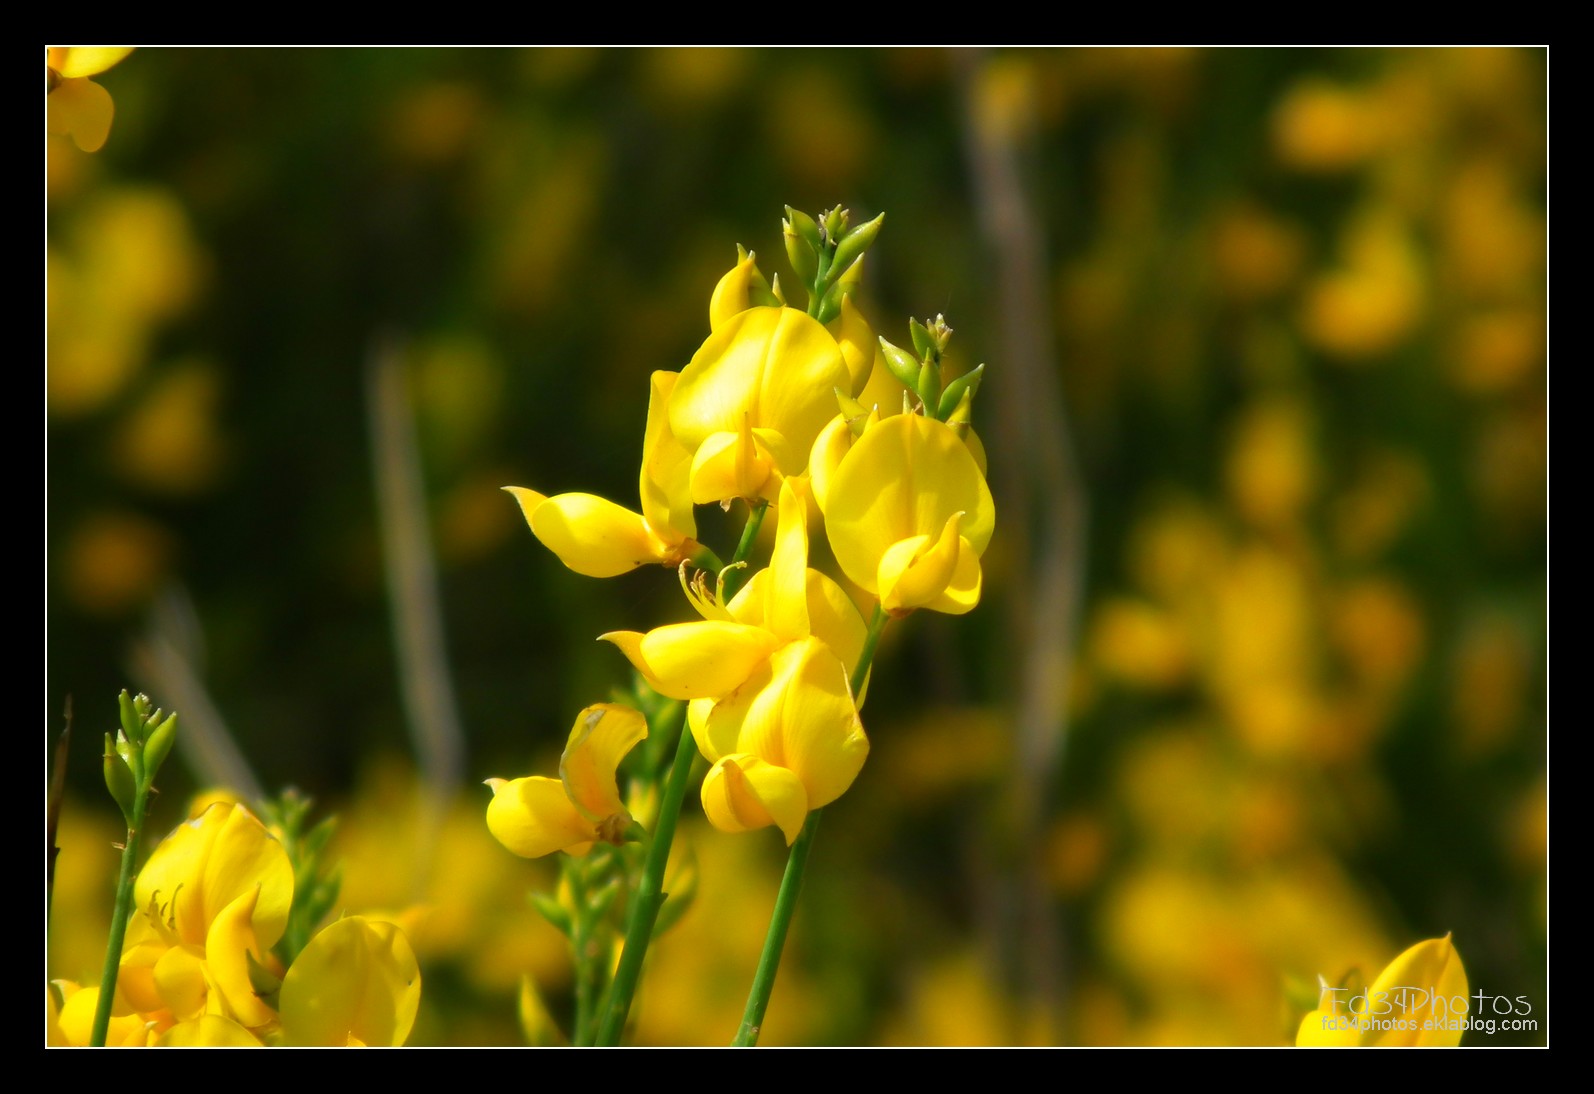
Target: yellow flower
(758, 391)
(537, 816)
(215, 893)
(77, 106)
(596, 537)
(74, 1023)
(771, 707)
(1419, 999)
(356, 983)
(909, 515)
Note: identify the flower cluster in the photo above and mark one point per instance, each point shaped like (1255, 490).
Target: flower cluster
(200, 964)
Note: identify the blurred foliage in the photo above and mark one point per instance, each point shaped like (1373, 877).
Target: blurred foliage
(1299, 301)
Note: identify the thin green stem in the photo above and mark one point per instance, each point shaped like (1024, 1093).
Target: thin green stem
(119, 917)
(581, 942)
(649, 896)
(791, 883)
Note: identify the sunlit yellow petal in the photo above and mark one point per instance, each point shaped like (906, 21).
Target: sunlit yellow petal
(913, 578)
(666, 480)
(777, 365)
(357, 980)
(227, 947)
(904, 477)
(742, 793)
(591, 535)
(181, 980)
(832, 616)
(1425, 990)
(786, 606)
(695, 660)
(82, 110)
(734, 465)
(535, 817)
(76, 1022)
(1324, 1029)
(207, 863)
(75, 61)
(857, 342)
(208, 1031)
(717, 723)
(805, 720)
(600, 739)
(832, 444)
(135, 981)
(734, 293)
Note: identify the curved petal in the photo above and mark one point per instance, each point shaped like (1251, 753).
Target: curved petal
(830, 446)
(904, 477)
(82, 110)
(535, 817)
(135, 982)
(832, 616)
(852, 333)
(786, 587)
(208, 1031)
(357, 981)
(695, 660)
(962, 593)
(717, 723)
(776, 364)
(742, 793)
(591, 535)
(600, 739)
(180, 978)
(1324, 1029)
(805, 720)
(732, 465)
(666, 480)
(76, 1022)
(916, 571)
(75, 61)
(1425, 989)
(227, 950)
(207, 863)
(734, 293)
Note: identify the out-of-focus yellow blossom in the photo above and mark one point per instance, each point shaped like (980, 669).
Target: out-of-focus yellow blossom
(596, 537)
(1420, 999)
(772, 706)
(909, 515)
(74, 1023)
(537, 816)
(1323, 127)
(1371, 303)
(1271, 469)
(759, 390)
(215, 892)
(76, 106)
(356, 983)
(1140, 644)
(113, 560)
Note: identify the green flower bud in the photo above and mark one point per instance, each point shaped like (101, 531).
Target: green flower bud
(903, 365)
(551, 910)
(158, 746)
(929, 385)
(802, 252)
(854, 244)
(119, 780)
(965, 385)
(923, 344)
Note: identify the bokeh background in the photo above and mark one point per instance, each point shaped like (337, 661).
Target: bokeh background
(1257, 691)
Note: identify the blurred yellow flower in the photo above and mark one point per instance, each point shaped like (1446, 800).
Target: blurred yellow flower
(1420, 999)
(76, 106)
(537, 816)
(356, 983)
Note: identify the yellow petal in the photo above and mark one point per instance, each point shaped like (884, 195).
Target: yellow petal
(76, 1022)
(75, 61)
(733, 293)
(805, 720)
(1325, 1029)
(666, 481)
(82, 110)
(535, 817)
(207, 863)
(857, 342)
(357, 980)
(1420, 998)
(786, 607)
(208, 1031)
(589, 534)
(905, 477)
(742, 793)
(832, 444)
(735, 465)
(717, 723)
(777, 365)
(180, 978)
(832, 616)
(695, 660)
(600, 739)
(913, 579)
(227, 950)
(135, 981)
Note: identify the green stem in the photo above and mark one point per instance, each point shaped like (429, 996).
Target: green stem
(791, 883)
(650, 894)
(119, 916)
(649, 897)
(581, 942)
